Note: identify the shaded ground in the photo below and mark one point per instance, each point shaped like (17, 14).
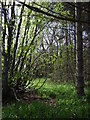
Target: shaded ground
(28, 97)
(52, 100)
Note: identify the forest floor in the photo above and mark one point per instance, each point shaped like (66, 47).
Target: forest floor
(53, 100)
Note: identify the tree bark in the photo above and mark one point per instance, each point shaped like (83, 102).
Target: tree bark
(88, 74)
(75, 37)
(10, 34)
(5, 70)
(0, 80)
(79, 56)
(0, 65)
(67, 54)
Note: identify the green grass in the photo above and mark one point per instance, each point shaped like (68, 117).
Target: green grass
(67, 104)
(34, 110)
(61, 90)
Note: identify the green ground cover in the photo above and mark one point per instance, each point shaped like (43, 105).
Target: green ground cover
(67, 104)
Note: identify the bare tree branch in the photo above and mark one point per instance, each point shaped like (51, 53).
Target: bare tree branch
(51, 15)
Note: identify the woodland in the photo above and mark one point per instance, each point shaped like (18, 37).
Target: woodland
(45, 59)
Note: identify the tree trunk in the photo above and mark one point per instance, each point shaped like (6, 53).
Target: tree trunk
(0, 82)
(88, 74)
(79, 56)
(5, 71)
(67, 53)
(0, 67)
(75, 38)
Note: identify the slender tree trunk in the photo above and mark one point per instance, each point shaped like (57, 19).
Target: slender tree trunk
(79, 56)
(5, 70)
(0, 65)
(25, 33)
(75, 37)
(88, 74)
(10, 34)
(0, 82)
(16, 43)
(67, 54)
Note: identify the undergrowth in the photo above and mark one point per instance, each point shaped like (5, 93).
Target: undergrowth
(67, 104)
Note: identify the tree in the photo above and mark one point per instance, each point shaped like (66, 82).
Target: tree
(5, 72)
(88, 55)
(19, 44)
(79, 55)
(0, 66)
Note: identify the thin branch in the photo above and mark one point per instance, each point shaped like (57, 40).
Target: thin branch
(18, 62)
(16, 44)
(28, 49)
(51, 15)
(48, 9)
